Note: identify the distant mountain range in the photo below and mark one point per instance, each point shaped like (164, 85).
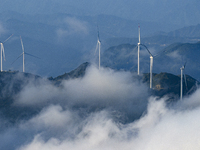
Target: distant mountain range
(169, 59)
(187, 32)
(63, 41)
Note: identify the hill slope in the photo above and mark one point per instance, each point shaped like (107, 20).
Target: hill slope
(170, 59)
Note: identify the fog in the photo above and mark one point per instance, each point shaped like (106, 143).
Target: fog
(105, 109)
(176, 12)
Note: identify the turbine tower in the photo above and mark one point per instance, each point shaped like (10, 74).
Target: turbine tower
(139, 51)
(151, 69)
(181, 90)
(3, 52)
(2, 55)
(23, 54)
(151, 65)
(98, 47)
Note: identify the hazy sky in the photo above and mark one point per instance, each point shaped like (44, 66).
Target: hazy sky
(177, 12)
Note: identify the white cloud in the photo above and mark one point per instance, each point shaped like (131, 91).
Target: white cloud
(98, 89)
(2, 29)
(175, 55)
(161, 128)
(74, 26)
(88, 113)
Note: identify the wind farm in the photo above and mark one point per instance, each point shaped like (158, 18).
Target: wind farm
(98, 48)
(111, 74)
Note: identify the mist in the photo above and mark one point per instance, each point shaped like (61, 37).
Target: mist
(105, 109)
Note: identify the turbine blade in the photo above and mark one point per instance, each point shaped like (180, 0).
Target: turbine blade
(8, 38)
(98, 40)
(185, 82)
(98, 33)
(32, 55)
(3, 52)
(147, 49)
(135, 48)
(16, 59)
(96, 48)
(185, 64)
(22, 44)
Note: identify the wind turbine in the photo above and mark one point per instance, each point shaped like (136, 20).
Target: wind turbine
(23, 54)
(151, 68)
(139, 51)
(98, 47)
(3, 52)
(151, 65)
(181, 90)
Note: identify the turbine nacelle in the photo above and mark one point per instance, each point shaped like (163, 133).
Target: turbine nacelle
(182, 68)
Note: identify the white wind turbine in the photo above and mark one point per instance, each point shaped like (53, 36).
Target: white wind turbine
(3, 52)
(23, 54)
(181, 90)
(139, 51)
(98, 47)
(151, 65)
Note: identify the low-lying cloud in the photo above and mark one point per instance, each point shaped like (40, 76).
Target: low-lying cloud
(160, 128)
(88, 113)
(103, 88)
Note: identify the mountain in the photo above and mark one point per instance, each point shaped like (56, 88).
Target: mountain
(175, 55)
(169, 59)
(160, 40)
(120, 57)
(169, 84)
(156, 42)
(163, 83)
(76, 73)
(190, 31)
(13, 82)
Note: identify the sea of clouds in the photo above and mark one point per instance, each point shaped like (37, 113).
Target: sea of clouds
(105, 109)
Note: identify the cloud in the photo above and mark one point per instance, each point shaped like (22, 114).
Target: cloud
(2, 29)
(161, 128)
(89, 113)
(98, 89)
(175, 55)
(74, 27)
